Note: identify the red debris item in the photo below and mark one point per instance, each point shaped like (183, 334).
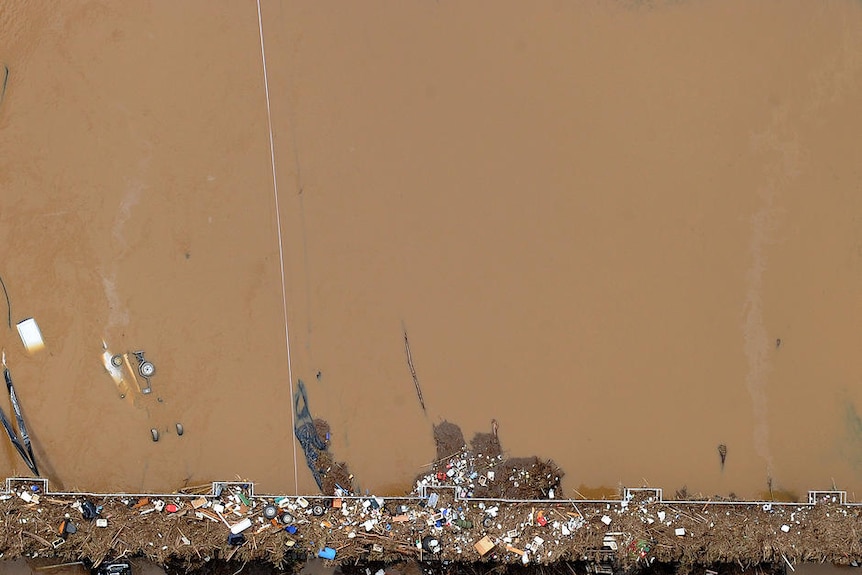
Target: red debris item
(540, 519)
(441, 476)
(171, 508)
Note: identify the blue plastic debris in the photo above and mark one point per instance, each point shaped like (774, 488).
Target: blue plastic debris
(326, 553)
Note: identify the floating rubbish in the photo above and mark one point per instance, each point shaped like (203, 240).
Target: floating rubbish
(412, 369)
(88, 510)
(270, 511)
(306, 434)
(326, 553)
(430, 544)
(4, 72)
(2, 283)
(515, 550)
(722, 452)
(241, 526)
(286, 518)
(484, 545)
(22, 441)
(155, 433)
(235, 539)
(180, 429)
(31, 335)
(145, 369)
(318, 510)
(114, 568)
(120, 369)
(101, 522)
(68, 528)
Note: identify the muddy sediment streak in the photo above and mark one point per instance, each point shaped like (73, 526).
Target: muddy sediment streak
(467, 515)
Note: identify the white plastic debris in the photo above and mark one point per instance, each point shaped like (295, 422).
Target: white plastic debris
(241, 526)
(101, 522)
(679, 531)
(660, 515)
(785, 528)
(31, 335)
(606, 519)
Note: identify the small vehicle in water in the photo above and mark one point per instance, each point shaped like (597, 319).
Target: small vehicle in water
(114, 364)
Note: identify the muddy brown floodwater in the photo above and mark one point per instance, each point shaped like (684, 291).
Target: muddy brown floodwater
(629, 232)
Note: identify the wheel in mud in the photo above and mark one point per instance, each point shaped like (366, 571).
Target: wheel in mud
(147, 369)
(117, 360)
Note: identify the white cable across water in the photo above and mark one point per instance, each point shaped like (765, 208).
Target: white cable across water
(280, 243)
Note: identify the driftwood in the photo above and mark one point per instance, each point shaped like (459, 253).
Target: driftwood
(413, 370)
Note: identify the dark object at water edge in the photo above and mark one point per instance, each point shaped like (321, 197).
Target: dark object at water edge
(4, 72)
(114, 568)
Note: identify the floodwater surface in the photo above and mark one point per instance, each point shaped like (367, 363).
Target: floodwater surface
(629, 232)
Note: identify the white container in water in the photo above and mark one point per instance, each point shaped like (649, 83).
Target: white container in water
(31, 335)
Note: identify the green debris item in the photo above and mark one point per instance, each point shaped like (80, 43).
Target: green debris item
(244, 499)
(463, 523)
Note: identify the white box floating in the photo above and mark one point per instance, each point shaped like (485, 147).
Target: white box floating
(31, 335)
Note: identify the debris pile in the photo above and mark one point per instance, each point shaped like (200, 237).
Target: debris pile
(481, 471)
(447, 519)
(313, 436)
(232, 524)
